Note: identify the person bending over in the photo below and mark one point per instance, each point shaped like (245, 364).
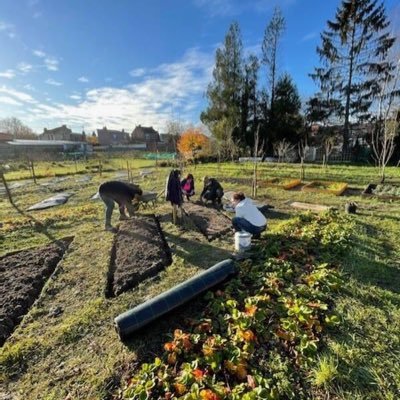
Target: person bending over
(212, 191)
(126, 195)
(187, 186)
(248, 217)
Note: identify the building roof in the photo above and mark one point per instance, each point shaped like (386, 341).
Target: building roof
(5, 136)
(111, 131)
(27, 142)
(146, 129)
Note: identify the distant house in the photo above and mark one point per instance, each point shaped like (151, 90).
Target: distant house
(61, 133)
(110, 137)
(5, 137)
(148, 135)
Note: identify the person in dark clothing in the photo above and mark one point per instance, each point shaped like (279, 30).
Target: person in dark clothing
(212, 191)
(173, 191)
(187, 186)
(126, 195)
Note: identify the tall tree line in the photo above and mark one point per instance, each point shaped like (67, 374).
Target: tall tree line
(355, 68)
(238, 105)
(355, 65)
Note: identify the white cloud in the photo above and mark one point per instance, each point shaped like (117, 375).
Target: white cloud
(75, 97)
(39, 53)
(28, 86)
(10, 101)
(218, 7)
(21, 96)
(24, 67)
(230, 8)
(53, 82)
(175, 87)
(309, 36)
(51, 63)
(8, 29)
(137, 72)
(83, 79)
(9, 74)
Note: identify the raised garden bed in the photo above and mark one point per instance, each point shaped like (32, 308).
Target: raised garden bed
(140, 251)
(382, 191)
(282, 183)
(336, 188)
(210, 222)
(22, 277)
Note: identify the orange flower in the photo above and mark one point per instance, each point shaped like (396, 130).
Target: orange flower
(207, 394)
(171, 358)
(241, 372)
(207, 350)
(180, 389)
(250, 310)
(248, 335)
(198, 374)
(170, 346)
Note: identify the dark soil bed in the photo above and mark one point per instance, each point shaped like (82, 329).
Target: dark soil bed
(139, 252)
(22, 277)
(210, 222)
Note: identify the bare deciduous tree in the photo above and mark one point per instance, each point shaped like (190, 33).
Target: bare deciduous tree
(302, 149)
(387, 123)
(328, 144)
(282, 149)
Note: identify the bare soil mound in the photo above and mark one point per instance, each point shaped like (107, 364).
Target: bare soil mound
(210, 222)
(22, 277)
(139, 252)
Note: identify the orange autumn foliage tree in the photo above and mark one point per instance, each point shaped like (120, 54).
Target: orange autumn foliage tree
(192, 143)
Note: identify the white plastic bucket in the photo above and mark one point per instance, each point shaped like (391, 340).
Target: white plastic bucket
(242, 241)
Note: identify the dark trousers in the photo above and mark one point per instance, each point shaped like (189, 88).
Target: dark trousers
(241, 224)
(109, 203)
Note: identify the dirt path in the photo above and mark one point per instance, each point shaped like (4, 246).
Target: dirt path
(22, 276)
(140, 251)
(210, 222)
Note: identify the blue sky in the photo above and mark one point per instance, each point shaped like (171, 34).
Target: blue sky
(119, 63)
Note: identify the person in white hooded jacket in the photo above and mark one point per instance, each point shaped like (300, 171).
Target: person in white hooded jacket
(248, 217)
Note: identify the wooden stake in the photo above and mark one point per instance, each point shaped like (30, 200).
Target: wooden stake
(3, 178)
(33, 172)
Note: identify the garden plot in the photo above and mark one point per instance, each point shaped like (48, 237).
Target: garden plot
(210, 222)
(139, 252)
(22, 277)
(382, 191)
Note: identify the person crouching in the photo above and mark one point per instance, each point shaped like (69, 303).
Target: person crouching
(248, 217)
(126, 195)
(187, 186)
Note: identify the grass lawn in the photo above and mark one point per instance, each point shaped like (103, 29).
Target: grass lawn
(78, 355)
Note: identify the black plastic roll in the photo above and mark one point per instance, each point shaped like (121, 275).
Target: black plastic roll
(136, 318)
